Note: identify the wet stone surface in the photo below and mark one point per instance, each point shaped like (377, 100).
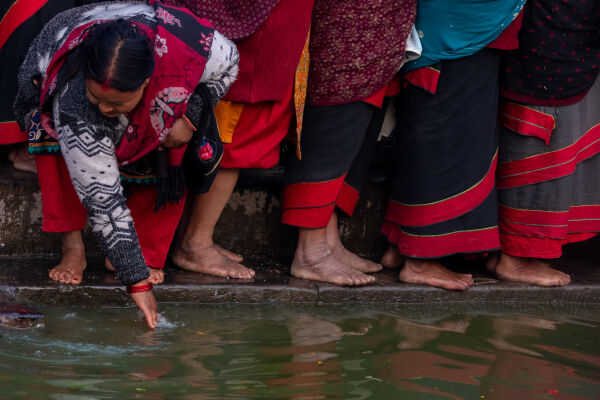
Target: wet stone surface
(27, 281)
(19, 316)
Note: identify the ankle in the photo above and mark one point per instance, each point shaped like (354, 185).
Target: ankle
(196, 243)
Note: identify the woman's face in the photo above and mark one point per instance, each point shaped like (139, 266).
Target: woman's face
(112, 102)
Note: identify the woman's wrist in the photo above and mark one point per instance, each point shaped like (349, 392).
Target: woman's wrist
(189, 123)
(141, 286)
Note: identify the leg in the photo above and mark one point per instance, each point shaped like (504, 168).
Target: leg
(392, 257)
(342, 254)
(63, 212)
(528, 270)
(314, 261)
(432, 273)
(21, 159)
(72, 264)
(196, 251)
(331, 138)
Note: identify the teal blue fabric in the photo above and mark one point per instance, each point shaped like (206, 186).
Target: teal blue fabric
(451, 29)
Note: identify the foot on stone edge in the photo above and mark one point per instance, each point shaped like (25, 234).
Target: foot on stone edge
(432, 273)
(157, 275)
(527, 270)
(211, 261)
(71, 267)
(320, 264)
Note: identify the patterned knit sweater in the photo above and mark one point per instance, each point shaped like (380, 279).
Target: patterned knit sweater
(88, 139)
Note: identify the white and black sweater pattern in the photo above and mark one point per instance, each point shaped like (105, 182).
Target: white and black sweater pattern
(88, 139)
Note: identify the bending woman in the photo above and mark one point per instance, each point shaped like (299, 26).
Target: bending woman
(119, 88)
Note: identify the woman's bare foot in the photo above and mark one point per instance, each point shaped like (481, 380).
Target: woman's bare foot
(352, 260)
(429, 272)
(238, 258)
(527, 270)
(344, 255)
(157, 275)
(392, 257)
(314, 261)
(209, 260)
(21, 159)
(71, 266)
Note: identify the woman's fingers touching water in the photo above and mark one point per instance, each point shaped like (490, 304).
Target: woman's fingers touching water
(147, 304)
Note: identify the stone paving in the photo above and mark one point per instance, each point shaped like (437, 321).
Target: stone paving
(250, 225)
(28, 282)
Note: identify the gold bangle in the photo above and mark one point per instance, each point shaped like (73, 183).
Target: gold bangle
(186, 119)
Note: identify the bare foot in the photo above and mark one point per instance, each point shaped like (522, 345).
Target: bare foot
(528, 270)
(354, 261)
(157, 275)
(392, 257)
(71, 267)
(429, 272)
(21, 159)
(318, 263)
(334, 243)
(238, 258)
(211, 261)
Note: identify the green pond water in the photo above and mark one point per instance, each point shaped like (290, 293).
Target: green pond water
(301, 352)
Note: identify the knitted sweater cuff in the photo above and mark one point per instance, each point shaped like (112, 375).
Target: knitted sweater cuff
(129, 263)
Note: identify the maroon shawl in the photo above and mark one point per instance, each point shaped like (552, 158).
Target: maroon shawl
(236, 19)
(356, 47)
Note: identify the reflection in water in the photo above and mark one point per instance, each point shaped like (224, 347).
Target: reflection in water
(302, 353)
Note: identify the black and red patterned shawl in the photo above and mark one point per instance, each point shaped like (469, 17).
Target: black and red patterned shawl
(558, 59)
(181, 47)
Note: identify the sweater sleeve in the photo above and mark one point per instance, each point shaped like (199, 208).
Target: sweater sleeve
(219, 74)
(87, 144)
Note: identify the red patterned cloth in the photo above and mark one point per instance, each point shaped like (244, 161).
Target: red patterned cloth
(356, 47)
(150, 120)
(236, 19)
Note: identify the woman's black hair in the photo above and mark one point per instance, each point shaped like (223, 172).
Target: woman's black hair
(118, 54)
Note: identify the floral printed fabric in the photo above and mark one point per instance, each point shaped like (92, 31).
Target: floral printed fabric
(356, 47)
(236, 19)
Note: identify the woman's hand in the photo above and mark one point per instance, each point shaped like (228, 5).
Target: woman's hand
(146, 302)
(180, 134)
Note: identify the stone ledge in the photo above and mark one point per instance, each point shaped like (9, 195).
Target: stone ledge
(28, 282)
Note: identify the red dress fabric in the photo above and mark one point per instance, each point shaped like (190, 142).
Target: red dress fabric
(258, 133)
(265, 85)
(269, 58)
(63, 212)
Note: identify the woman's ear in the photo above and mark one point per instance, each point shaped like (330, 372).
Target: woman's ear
(146, 82)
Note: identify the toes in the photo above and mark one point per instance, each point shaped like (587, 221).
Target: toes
(65, 276)
(241, 272)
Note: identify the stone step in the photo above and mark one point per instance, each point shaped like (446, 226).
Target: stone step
(250, 223)
(26, 281)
